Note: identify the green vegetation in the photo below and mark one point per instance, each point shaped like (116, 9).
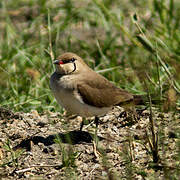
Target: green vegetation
(135, 44)
(128, 35)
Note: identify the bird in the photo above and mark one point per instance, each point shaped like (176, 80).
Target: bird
(84, 92)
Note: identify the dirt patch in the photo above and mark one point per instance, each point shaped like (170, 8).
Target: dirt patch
(50, 146)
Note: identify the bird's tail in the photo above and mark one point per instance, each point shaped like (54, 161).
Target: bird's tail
(143, 99)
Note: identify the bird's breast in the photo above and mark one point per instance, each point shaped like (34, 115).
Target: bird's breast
(66, 94)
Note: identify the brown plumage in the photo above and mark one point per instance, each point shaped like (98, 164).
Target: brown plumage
(100, 92)
(88, 93)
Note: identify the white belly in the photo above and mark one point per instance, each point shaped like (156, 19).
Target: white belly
(75, 106)
(71, 101)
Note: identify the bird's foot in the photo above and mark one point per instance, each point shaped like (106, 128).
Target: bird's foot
(85, 122)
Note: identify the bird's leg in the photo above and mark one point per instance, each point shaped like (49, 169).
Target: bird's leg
(95, 142)
(86, 122)
(96, 121)
(82, 124)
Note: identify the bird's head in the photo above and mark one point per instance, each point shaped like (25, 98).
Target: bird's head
(69, 63)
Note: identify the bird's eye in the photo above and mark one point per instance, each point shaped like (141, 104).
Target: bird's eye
(73, 59)
(65, 61)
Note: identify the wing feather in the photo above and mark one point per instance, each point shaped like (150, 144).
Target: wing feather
(102, 93)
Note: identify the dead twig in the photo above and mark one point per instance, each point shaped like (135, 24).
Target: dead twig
(23, 170)
(46, 165)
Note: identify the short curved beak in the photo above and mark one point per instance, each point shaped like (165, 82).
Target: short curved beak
(56, 62)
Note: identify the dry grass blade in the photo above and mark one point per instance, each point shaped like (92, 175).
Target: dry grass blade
(153, 141)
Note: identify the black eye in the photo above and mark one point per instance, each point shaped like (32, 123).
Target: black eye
(65, 61)
(73, 59)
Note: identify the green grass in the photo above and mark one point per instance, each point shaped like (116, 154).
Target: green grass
(33, 33)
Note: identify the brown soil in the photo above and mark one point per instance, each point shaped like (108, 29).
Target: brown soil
(50, 146)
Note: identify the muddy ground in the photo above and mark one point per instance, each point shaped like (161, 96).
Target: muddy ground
(50, 146)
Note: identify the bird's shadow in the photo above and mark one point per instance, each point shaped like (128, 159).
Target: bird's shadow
(72, 137)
